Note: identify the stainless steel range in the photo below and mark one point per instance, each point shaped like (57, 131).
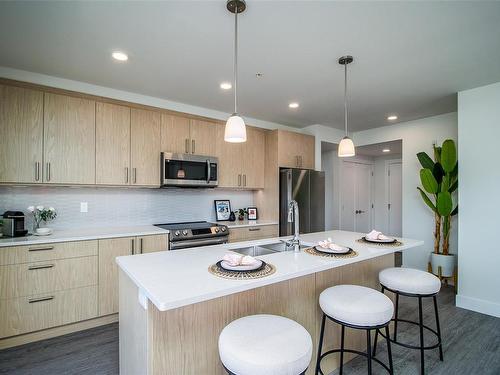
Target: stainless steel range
(194, 234)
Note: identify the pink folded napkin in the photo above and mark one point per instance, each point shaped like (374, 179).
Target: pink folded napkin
(328, 244)
(239, 260)
(376, 235)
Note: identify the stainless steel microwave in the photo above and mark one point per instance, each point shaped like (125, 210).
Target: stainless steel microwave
(186, 170)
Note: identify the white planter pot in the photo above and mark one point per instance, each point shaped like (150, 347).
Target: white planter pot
(446, 262)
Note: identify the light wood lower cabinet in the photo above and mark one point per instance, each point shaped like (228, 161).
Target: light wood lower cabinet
(151, 244)
(28, 314)
(253, 233)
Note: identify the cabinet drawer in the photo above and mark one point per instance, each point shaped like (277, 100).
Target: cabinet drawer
(264, 231)
(49, 251)
(27, 279)
(27, 314)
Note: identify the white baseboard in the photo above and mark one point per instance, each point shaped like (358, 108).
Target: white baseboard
(478, 305)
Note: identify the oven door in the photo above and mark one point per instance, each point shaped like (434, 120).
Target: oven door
(189, 170)
(177, 245)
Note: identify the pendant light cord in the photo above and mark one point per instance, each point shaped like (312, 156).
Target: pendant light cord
(345, 97)
(235, 61)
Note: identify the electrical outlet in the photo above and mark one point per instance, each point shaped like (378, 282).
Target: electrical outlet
(84, 207)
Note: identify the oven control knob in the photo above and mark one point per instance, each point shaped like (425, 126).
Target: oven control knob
(216, 230)
(185, 232)
(177, 233)
(223, 229)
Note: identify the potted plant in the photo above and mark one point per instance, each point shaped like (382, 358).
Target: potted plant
(439, 179)
(40, 213)
(241, 212)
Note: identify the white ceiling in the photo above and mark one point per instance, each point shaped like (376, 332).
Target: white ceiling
(374, 150)
(410, 57)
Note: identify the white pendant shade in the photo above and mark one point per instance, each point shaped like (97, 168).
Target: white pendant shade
(236, 131)
(346, 148)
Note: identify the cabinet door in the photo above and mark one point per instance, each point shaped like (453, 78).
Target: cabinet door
(145, 147)
(108, 271)
(69, 140)
(175, 134)
(253, 159)
(288, 149)
(21, 134)
(306, 152)
(203, 137)
(230, 160)
(112, 144)
(151, 244)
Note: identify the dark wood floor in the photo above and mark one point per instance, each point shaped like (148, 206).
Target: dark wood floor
(471, 346)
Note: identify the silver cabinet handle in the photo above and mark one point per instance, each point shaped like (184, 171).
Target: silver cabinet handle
(41, 299)
(133, 246)
(48, 171)
(141, 244)
(40, 267)
(186, 145)
(193, 146)
(37, 171)
(126, 175)
(239, 180)
(254, 229)
(134, 172)
(244, 180)
(41, 248)
(209, 171)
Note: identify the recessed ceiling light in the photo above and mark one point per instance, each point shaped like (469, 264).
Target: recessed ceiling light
(120, 56)
(386, 150)
(293, 105)
(225, 85)
(259, 75)
(392, 117)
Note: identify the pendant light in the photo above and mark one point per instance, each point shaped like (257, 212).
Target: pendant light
(235, 131)
(346, 146)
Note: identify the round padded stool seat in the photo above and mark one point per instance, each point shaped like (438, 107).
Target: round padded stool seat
(265, 344)
(409, 280)
(356, 305)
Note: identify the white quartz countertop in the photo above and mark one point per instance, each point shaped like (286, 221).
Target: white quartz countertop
(247, 223)
(171, 279)
(83, 234)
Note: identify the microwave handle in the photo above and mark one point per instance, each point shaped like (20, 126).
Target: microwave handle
(208, 171)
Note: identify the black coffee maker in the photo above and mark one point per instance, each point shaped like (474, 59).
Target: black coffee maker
(13, 224)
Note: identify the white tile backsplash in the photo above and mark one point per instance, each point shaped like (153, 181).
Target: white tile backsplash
(119, 206)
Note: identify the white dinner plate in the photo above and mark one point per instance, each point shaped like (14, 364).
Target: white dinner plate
(252, 267)
(390, 239)
(344, 250)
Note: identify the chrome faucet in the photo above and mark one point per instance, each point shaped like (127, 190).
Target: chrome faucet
(293, 217)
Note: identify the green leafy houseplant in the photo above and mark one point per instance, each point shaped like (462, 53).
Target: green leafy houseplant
(439, 179)
(241, 212)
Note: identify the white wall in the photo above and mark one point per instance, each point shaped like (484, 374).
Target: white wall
(381, 189)
(417, 136)
(330, 165)
(479, 179)
(322, 134)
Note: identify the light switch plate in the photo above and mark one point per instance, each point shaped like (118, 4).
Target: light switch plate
(84, 207)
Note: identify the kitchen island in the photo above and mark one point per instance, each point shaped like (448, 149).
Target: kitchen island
(172, 309)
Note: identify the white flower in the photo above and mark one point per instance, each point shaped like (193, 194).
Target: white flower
(31, 208)
(39, 208)
(52, 209)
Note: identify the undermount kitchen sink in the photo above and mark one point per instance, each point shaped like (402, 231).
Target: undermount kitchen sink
(258, 250)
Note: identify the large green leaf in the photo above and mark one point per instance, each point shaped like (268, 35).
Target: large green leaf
(425, 160)
(438, 172)
(444, 203)
(437, 154)
(427, 200)
(453, 187)
(448, 155)
(445, 183)
(428, 181)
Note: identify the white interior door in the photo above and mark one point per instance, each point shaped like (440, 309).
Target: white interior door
(356, 197)
(395, 199)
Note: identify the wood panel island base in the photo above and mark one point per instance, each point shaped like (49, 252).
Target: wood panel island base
(174, 329)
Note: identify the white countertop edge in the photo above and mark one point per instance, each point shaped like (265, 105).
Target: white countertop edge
(258, 282)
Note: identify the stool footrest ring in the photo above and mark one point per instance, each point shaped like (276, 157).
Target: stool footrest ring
(429, 347)
(354, 352)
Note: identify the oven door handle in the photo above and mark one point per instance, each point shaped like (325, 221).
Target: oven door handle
(176, 245)
(208, 171)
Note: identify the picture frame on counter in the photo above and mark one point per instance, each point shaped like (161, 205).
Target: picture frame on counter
(222, 209)
(252, 213)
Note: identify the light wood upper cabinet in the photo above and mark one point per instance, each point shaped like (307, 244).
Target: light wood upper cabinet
(69, 140)
(295, 150)
(21, 134)
(253, 159)
(203, 137)
(112, 144)
(145, 147)
(175, 134)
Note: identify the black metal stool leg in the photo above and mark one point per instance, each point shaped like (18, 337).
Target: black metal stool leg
(342, 340)
(438, 328)
(396, 317)
(389, 352)
(421, 324)
(369, 351)
(320, 346)
(376, 331)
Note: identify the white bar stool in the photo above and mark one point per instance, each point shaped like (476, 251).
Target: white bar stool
(355, 307)
(265, 345)
(419, 284)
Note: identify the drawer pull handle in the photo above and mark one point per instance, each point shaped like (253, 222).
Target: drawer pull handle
(41, 299)
(254, 229)
(40, 267)
(41, 248)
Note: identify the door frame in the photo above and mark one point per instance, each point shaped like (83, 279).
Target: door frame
(387, 193)
(371, 189)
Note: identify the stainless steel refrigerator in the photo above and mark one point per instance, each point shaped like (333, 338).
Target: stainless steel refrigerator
(308, 189)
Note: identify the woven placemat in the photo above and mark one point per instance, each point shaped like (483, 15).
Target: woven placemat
(217, 270)
(313, 251)
(384, 244)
